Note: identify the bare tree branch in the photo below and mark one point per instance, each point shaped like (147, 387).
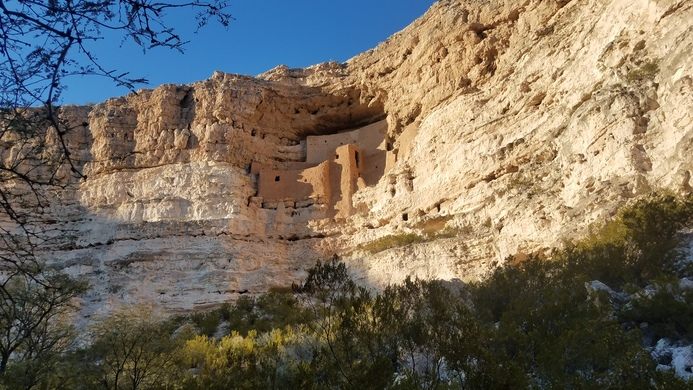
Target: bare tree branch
(43, 42)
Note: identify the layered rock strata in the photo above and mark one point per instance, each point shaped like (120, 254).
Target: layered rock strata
(489, 129)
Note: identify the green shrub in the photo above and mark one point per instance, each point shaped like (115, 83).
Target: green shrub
(647, 71)
(266, 312)
(430, 232)
(544, 323)
(562, 338)
(638, 245)
(668, 313)
(253, 361)
(207, 322)
(131, 350)
(433, 225)
(393, 241)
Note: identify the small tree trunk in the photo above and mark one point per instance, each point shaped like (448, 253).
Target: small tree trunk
(3, 362)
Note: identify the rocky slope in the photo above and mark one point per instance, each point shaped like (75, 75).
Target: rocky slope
(514, 125)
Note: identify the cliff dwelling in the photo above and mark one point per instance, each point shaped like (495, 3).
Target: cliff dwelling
(335, 167)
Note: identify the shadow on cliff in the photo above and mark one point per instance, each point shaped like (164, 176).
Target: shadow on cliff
(186, 253)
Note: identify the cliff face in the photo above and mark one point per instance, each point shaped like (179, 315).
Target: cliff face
(509, 126)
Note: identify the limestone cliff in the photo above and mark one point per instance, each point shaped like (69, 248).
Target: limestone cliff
(508, 127)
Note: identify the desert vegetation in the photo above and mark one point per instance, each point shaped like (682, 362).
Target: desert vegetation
(425, 231)
(588, 317)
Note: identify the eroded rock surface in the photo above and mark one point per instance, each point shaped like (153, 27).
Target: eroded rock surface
(512, 124)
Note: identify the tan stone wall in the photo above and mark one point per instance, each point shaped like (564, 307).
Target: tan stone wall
(343, 158)
(275, 185)
(322, 148)
(344, 174)
(368, 138)
(406, 140)
(372, 137)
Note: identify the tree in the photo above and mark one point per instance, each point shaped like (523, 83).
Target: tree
(133, 351)
(43, 42)
(31, 331)
(339, 308)
(270, 360)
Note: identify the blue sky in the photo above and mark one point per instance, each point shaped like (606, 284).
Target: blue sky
(265, 33)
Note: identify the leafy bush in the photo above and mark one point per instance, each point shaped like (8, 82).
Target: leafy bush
(244, 362)
(266, 312)
(637, 246)
(547, 325)
(131, 350)
(207, 322)
(430, 233)
(393, 241)
(668, 313)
